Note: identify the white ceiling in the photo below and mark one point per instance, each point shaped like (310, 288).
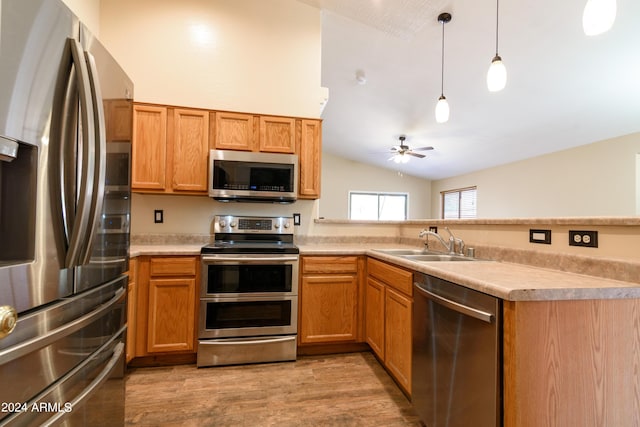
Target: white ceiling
(564, 89)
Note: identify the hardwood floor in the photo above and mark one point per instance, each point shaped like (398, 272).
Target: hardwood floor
(335, 390)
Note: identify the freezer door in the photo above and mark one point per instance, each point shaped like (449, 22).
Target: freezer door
(60, 357)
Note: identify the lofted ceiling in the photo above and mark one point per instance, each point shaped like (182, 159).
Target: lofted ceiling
(564, 89)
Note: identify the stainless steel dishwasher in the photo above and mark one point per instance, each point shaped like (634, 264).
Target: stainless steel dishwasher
(456, 367)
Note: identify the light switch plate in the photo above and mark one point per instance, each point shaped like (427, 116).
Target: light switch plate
(540, 236)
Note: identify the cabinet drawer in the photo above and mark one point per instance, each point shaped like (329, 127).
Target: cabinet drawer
(330, 264)
(172, 266)
(395, 277)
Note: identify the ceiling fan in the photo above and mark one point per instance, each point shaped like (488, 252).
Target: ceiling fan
(402, 152)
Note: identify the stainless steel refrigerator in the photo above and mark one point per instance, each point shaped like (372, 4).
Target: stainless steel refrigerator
(65, 126)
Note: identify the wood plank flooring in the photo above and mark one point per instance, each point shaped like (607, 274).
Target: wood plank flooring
(336, 390)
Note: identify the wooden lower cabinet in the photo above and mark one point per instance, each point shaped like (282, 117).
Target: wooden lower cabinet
(330, 299)
(374, 316)
(571, 363)
(167, 301)
(388, 316)
(397, 332)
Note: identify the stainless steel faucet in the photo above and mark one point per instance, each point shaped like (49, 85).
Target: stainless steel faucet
(450, 245)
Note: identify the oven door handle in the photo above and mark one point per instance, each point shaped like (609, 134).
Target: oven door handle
(215, 259)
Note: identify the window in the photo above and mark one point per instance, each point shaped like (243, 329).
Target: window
(378, 206)
(459, 203)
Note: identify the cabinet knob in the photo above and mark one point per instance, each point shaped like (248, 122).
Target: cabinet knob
(8, 320)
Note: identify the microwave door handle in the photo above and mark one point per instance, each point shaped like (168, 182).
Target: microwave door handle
(100, 148)
(87, 167)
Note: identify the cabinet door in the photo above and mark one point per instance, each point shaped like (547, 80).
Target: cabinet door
(234, 131)
(309, 155)
(118, 115)
(374, 316)
(330, 308)
(171, 315)
(398, 310)
(149, 147)
(277, 134)
(190, 148)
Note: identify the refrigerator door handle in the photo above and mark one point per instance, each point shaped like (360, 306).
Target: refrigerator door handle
(69, 186)
(87, 170)
(100, 148)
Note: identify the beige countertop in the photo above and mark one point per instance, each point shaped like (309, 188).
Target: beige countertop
(514, 282)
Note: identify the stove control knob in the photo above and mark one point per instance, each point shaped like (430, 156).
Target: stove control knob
(222, 223)
(233, 224)
(287, 224)
(276, 225)
(8, 320)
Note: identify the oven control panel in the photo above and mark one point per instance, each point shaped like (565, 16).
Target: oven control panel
(246, 224)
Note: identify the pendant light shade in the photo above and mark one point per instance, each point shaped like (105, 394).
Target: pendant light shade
(598, 16)
(442, 110)
(497, 74)
(442, 107)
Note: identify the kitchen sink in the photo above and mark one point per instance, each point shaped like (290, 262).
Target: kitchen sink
(402, 252)
(436, 257)
(422, 255)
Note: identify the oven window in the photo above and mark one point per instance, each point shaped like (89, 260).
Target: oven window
(247, 278)
(248, 314)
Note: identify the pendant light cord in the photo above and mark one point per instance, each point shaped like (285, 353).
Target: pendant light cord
(497, 17)
(442, 64)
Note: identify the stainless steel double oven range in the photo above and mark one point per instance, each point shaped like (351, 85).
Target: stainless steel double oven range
(249, 292)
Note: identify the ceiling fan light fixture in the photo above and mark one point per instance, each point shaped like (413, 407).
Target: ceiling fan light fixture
(442, 107)
(497, 75)
(442, 110)
(598, 16)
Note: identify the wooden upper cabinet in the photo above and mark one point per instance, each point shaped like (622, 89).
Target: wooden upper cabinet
(149, 147)
(277, 134)
(309, 148)
(233, 131)
(117, 116)
(189, 142)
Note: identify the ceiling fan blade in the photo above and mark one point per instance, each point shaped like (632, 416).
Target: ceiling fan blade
(422, 149)
(411, 153)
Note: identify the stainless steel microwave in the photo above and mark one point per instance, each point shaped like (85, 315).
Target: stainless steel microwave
(244, 176)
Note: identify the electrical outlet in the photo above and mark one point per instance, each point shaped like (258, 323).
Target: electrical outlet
(296, 219)
(158, 216)
(433, 228)
(583, 238)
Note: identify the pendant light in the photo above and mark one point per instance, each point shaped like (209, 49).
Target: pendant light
(497, 74)
(442, 107)
(598, 16)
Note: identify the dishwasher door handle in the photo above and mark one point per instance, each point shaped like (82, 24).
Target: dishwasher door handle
(456, 306)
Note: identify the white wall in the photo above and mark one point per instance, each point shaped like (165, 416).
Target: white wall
(88, 11)
(592, 180)
(339, 176)
(239, 55)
